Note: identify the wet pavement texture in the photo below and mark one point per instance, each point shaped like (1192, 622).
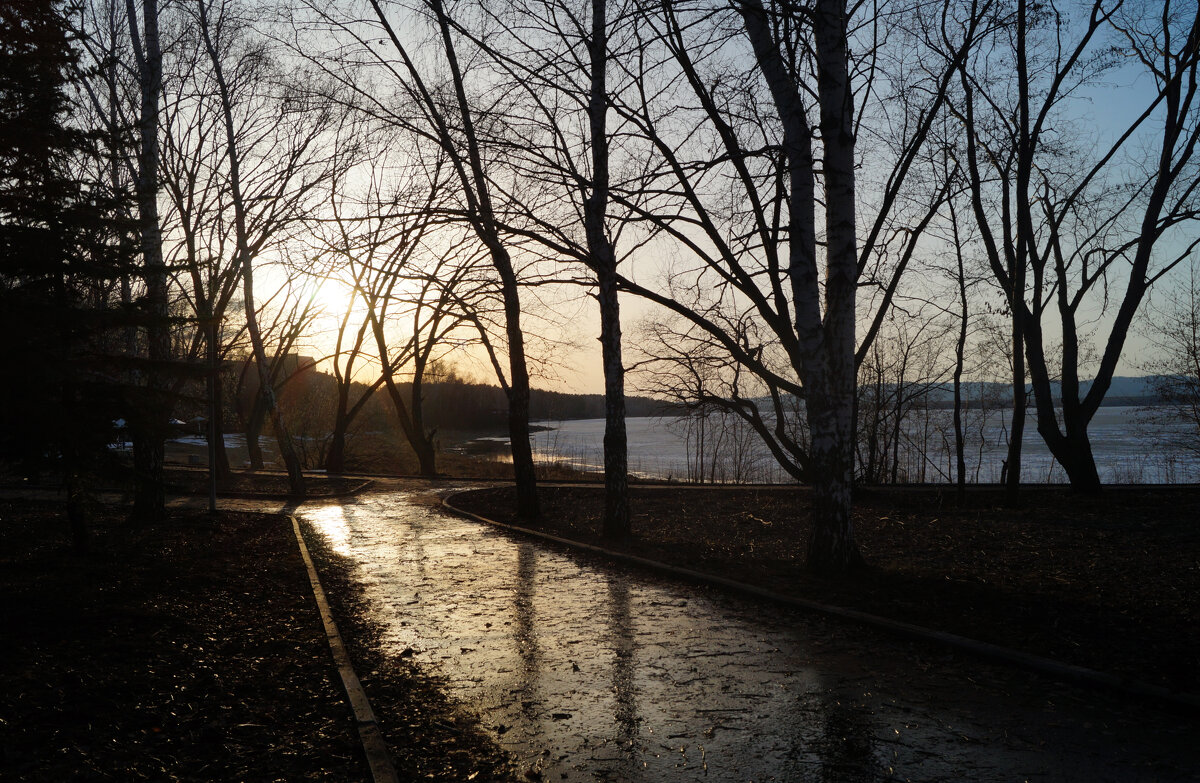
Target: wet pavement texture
(585, 670)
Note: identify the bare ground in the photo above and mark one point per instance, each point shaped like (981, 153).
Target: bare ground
(191, 650)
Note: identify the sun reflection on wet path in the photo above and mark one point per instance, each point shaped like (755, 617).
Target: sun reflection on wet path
(330, 521)
(586, 671)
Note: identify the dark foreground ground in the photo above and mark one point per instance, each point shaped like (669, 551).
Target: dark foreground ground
(192, 650)
(1110, 583)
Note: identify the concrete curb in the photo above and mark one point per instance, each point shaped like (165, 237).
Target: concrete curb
(1078, 675)
(382, 770)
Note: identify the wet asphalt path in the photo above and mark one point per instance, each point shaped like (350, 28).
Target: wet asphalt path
(589, 671)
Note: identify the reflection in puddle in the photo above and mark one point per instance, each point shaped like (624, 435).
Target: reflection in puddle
(620, 630)
(524, 634)
(585, 671)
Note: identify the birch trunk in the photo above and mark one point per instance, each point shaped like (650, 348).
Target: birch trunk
(832, 548)
(603, 261)
(825, 335)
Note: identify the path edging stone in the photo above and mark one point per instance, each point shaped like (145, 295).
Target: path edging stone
(1184, 702)
(380, 761)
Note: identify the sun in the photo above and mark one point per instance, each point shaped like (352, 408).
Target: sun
(329, 302)
(332, 297)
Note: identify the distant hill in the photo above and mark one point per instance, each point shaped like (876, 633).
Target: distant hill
(465, 406)
(1124, 390)
(548, 405)
(1134, 391)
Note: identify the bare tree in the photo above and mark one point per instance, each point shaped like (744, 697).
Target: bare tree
(349, 348)
(750, 212)
(285, 317)
(904, 368)
(1077, 229)
(280, 144)
(450, 122)
(407, 291)
(199, 245)
(553, 59)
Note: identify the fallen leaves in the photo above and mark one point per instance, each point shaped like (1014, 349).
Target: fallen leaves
(188, 650)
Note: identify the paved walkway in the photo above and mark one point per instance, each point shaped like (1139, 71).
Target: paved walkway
(586, 671)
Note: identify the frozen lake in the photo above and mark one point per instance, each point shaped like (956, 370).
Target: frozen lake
(1128, 449)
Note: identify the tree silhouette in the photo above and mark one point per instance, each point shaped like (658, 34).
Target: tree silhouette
(58, 258)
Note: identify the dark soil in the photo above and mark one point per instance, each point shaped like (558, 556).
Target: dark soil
(255, 484)
(188, 650)
(194, 481)
(1110, 583)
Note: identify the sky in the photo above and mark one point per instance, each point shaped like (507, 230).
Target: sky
(572, 361)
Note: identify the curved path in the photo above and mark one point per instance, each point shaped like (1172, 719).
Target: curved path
(589, 671)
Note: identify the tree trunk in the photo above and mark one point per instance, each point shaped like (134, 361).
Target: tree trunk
(825, 346)
(283, 438)
(897, 423)
(1019, 262)
(149, 422)
(960, 472)
(960, 350)
(604, 263)
(411, 425)
(222, 454)
(616, 444)
(833, 548)
(426, 458)
(211, 430)
(335, 459)
(149, 456)
(528, 505)
(1074, 452)
(426, 455)
(77, 517)
(421, 445)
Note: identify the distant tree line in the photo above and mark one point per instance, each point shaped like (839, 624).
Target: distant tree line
(453, 409)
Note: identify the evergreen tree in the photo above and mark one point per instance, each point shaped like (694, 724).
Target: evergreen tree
(57, 263)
